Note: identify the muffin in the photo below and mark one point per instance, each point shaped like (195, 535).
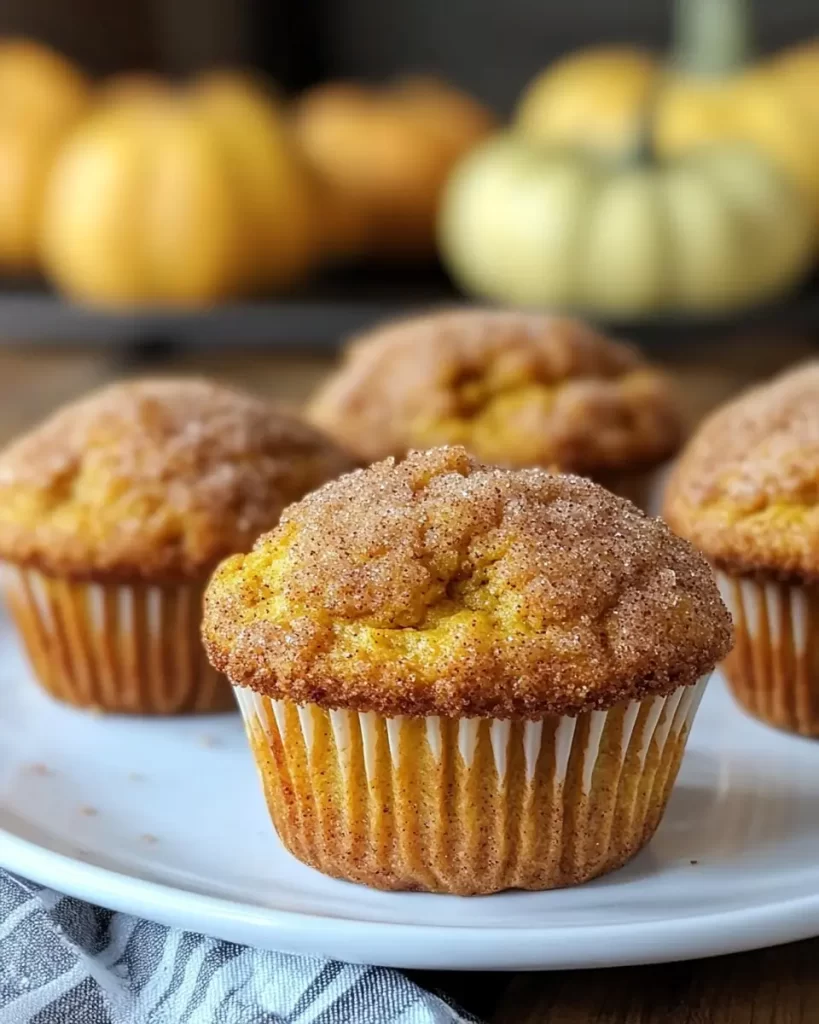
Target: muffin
(114, 512)
(745, 492)
(458, 678)
(516, 389)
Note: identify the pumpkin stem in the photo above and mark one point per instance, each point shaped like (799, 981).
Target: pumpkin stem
(712, 37)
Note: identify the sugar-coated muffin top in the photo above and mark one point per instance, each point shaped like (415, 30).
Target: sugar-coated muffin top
(154, 479)
(441, 586)
(746, 490)
(516, 389)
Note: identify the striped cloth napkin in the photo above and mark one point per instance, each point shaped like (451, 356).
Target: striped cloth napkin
(63, 961)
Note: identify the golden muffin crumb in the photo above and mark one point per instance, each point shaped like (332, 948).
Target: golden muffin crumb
(516, 389)
(746, 490)
(154, 479)
(441, 586)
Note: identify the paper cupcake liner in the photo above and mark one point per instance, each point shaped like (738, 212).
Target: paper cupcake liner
(116, 647)
(471, 805)
(773, 670)
(640, 486)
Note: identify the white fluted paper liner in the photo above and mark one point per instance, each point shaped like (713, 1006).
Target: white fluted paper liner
(468, 805)
(130, 648)
(643, 487)
(773, 670)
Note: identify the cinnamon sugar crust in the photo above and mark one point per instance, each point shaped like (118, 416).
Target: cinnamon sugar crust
(155, 480)
(746, 490)
(439, 586)
(516, 389)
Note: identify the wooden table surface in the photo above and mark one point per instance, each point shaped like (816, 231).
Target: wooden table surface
(772, 986)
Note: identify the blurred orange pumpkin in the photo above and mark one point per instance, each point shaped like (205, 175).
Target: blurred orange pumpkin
(707, 93)
(797, 70)
(589, 98)
(275, 187)
(179, 197)
(41, 96)
(385, 155)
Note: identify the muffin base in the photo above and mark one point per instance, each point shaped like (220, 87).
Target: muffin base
(132, 649)
(467, 806)
(773, 670)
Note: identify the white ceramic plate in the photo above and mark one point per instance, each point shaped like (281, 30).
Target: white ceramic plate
(165, 819)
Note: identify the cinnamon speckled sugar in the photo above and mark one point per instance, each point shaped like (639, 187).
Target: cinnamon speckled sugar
(440, 586)
(746, 492)
(515, 388)
(462, 679)
(155, 479)
(113, 513)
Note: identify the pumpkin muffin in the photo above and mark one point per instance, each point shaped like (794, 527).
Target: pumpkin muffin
(459, 678)
(516, 389)
(114, 512)
(746, 492)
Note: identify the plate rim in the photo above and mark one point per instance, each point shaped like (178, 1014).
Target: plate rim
(422, 946)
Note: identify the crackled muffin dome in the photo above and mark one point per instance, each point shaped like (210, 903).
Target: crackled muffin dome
(440, 586)
(746, 490)
(155, 479)
(516, 389)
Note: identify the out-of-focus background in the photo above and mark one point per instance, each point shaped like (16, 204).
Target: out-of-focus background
(233, 187)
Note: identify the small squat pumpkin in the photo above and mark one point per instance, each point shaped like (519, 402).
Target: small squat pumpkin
(278, 193)
(42, 95)
(384, 154)
(796, 71)
(590, 98)
(708, 90)
(179, 197)
(710, 231)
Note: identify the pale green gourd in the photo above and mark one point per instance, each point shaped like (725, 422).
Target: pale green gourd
(714, 230)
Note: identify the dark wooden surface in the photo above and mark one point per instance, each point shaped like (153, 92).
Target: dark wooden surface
(773, 986)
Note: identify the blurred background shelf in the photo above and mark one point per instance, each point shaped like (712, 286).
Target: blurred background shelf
(254, 190)
(319, 317)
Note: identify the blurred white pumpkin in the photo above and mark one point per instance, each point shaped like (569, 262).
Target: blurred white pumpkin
(713, 230)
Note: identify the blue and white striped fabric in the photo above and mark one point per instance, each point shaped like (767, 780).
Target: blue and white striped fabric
(66, 962)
